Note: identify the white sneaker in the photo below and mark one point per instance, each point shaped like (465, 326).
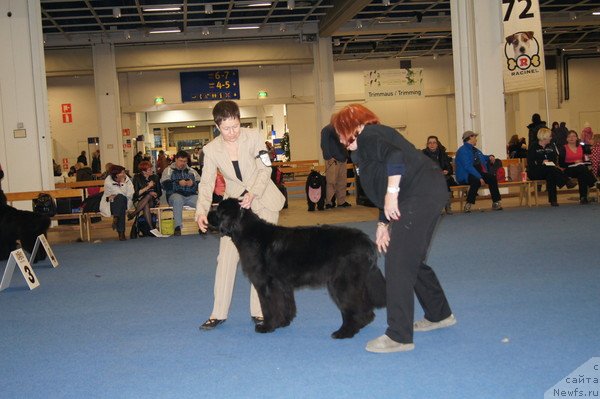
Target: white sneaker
(385, 344)
(426, 325)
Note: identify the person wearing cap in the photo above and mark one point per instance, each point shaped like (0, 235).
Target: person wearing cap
(472, 168)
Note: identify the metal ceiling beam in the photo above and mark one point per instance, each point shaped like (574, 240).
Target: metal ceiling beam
(342, 12)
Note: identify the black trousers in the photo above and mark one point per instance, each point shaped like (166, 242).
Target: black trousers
(554, 177)
(585, 178)
(118, 207)
(475, 184)
(405, 270)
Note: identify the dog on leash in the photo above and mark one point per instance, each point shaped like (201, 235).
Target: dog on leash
(315, 191)
(279, 259)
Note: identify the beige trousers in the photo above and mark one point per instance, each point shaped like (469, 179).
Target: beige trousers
(227, 262)
(335, 174)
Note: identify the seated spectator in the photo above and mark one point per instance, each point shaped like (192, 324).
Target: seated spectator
(2, 196)
(472, 168)
(572, 159)
(595, 156)
(517, 148)
(542, 164)
(116, 199)
(56, 171)
(437, 152)
(181, 184)
(106, 172)
(587, 134)
(83, 173)
(146, 192)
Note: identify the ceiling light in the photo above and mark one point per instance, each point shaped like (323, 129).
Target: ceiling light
(117, 12)
(435, 56)
(392, 21)
(205, 31)
(208, 9)
(161, 8)
(243, 27)
(282, 27)
(358, 24)
(127, 35)
(291, 4)
(385, 2)
(572, 16)
(596, 13)
(336, 42)
(166, 30)
(253, 3)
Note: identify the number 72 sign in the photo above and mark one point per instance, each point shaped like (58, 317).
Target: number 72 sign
(523, 46)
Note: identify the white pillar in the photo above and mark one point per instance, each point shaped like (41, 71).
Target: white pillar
(278, 120)
(108, 103)
(25, 141)
(477, 54)
(324, 88)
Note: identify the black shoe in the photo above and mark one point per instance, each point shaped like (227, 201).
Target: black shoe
(258, 320)
(177, 231)
(346, 205)
(130, 215)
(583, 201)
(571, 183)
(211, 323)
(122, 236)
(554, 203)
(329, 206)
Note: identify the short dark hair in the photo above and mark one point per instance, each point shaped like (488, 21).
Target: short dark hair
(225, 109)
(182, 154)
(115, 170)
(144, 166)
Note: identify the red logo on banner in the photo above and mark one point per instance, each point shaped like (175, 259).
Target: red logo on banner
(67, 118)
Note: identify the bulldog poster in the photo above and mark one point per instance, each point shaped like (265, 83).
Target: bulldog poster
(523, 46)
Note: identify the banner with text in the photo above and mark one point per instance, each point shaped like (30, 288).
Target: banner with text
(394, 84)
(523, 46)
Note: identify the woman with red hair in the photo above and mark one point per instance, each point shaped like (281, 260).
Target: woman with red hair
(410, 191)
(147, 192)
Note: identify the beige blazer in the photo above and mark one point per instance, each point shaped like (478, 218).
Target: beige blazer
(256, 177)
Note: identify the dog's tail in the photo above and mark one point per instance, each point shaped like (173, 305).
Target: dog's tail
(376, 287)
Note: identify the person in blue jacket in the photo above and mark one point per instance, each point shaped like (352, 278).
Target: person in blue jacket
(472, 168)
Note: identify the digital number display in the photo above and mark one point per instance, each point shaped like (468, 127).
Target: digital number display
(210, 85)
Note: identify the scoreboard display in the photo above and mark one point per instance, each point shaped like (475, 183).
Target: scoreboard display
(210, 85)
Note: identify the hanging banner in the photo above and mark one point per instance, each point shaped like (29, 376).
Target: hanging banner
(393, 84)
(523, 46)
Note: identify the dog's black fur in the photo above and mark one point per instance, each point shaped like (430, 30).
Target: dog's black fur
(22, 226)
(278, 259)
(315, 180)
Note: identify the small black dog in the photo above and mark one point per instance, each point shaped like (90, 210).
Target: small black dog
(278, 259)
(315, 191)
(22, 226)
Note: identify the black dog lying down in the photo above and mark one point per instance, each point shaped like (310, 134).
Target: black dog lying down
(278, 259)
(23, 226)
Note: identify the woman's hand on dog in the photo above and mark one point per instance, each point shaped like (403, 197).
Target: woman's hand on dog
(382, 237)
(246, 201)
(202, 223)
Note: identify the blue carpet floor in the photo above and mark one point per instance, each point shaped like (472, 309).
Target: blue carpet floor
(120, 320)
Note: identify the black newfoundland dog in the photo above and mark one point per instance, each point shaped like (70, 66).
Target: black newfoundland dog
(21, 226)
(315, 191)
(278, 259)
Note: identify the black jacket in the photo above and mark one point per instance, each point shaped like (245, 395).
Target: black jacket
(536, 155)
(533, 129)
(441, 158)
(139, 182)
(331, 146)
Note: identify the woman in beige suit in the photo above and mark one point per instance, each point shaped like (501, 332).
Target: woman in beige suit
(235, 153)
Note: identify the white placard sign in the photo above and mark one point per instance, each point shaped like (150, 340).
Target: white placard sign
(523, 47)
(17, 257)
(44, 241)
(393, 84)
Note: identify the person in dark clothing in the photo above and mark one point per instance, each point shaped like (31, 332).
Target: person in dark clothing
(472, 168)
(409, 210)
(82, 158)
(534, 126)
(2, 196)
(517, 147)
(560, 136)
(146, 192)
(335, 156)
(437, 152)
(84, 173)
(139, 157)
(96, 163)
(542, 164)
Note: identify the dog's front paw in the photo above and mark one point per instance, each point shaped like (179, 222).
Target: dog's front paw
(343, 333)
(263, 328)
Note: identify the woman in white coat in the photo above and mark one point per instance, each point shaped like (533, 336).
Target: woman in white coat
(118, 192)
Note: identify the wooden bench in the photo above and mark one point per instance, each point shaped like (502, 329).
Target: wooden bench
(55, 194)
(523, 186)
(537, 188)
(294, 177)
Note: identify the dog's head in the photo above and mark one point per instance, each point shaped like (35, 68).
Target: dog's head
(315, 180)
(226, 217)
(520, 41)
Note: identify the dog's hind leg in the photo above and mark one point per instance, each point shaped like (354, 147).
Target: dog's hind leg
(357, 310)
